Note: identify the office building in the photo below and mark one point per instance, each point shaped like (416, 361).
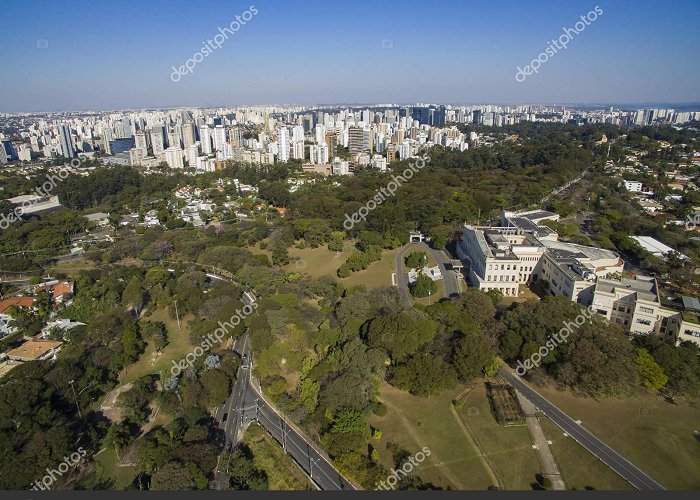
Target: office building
(67, 141)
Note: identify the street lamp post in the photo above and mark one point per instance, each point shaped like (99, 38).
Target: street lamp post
(75, 396)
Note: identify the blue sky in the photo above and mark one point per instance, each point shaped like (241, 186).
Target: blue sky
(111, 55)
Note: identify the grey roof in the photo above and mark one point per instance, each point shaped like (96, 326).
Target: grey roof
(96, 216)
(526, 224)
(592, 253)
(691, 303)
(541, 214)
(645, 290)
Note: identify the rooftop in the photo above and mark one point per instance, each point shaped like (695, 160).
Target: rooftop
(33, 349)
(20, 302)
(645, 290)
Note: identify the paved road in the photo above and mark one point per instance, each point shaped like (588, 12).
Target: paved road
(229, 416)
(587, 439)
(448, 275)
(246, 404)
(402, 278)
(449, 278)
(304, 453)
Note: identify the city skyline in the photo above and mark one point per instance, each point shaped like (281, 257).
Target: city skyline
(309, 52)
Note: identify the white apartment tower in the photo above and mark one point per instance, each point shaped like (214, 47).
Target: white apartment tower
(318, 153)
(283, 144)
(219, 138)
(204, 135)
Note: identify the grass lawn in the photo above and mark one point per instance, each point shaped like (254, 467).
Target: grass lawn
(508, 450)
(282, 472)
(661, 439)
(413, 422)
(71, 267)
(318, 261)
(377, 275)
(579, 469)
(439, 294)
(524, 294)
(107, 467)
(178, 347)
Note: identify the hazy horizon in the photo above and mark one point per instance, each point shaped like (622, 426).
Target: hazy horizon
(78, 55)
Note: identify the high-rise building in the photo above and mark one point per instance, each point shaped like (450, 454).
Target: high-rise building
(298, 133)
(121, 145)
(191, 155)
(320, 132)
(10, 150)
(173, 157)
(332, 142)
(205, 139)
(188, 135)
(283, 144)
(318, 153)
(140, 141)
(66, 141)
(157, 142)
(298, 150)
(219, 138)
(356, 140)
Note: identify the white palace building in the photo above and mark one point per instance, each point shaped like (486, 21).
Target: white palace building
(522, 251)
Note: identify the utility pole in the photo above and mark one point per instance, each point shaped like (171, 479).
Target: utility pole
(71, 382)
(177, 315)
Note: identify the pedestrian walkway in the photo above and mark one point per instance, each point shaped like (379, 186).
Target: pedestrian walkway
(549, 465)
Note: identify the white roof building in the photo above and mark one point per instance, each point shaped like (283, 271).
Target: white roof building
(655, 247)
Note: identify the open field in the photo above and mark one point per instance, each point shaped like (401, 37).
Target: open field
(318, 261)
(661, 439)
(413, 422)
(377, 274)
(71, 267)
(108, 468)
(282, 472)
(579, 469)
(178, 347)
(508, 450)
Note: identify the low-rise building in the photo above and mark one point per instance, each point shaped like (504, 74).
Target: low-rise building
(35, 350)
